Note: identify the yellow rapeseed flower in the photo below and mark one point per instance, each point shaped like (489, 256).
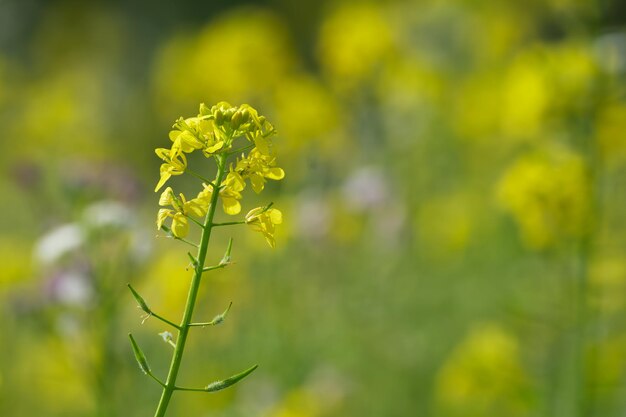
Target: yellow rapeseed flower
(230, 194)
(257, 166)
(182, 208)
(263, 220)
(196, 133)
(175, 164)
(547, 194)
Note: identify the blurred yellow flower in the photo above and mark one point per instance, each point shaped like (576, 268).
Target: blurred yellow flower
(252, 44)
(354, 40)
(611, 133)
(547, 193)
(484, 376)
(316, 118)
(526, 97)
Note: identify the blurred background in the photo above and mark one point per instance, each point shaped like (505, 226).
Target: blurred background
(455, 207)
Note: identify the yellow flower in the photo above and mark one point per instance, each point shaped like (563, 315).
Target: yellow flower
(257, 167)
(180, 227)
(263, 220)
(196, 133)
(547, 194)
(175, 164)
(230, 194)
(231, 121)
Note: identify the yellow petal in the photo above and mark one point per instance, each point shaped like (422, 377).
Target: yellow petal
(165, 175)
(180, 227)
(163, 153)
(231, 206)
(166, 197)
(253, 214)
(161, 216)
(258, 183)
(270, 240)
(262, 145)
(275, 174)
(174, 134)
(197, 207)
(235, 181)
(276, 216)
(215, 147)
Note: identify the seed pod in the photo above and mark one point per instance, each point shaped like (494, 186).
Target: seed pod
(140, 300)
(141, 358)
(220, 385)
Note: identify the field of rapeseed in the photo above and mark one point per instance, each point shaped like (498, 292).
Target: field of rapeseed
(447, 234)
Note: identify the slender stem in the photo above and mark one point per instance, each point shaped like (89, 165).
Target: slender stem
(195, 174)
(228, 223)
(195, 221)
(242, 149)
(190, 389)
(170, 383)
(151, 375)
(182, 239)
(164, 320)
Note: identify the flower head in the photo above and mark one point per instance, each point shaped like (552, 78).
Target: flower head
(213, 132)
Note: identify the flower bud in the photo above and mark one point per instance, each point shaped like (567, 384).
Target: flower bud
(236, 120)
(228, 113)
(204, 110)
(219, 116)
(245, 115)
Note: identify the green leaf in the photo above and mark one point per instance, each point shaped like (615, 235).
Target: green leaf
(141, 358)
(140, 300)
(220, 385)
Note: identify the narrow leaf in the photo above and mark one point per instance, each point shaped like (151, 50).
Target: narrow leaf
(220, 385)
(140, 300)
(141, 358)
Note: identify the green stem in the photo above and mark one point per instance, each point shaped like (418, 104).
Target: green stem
(228, 223)
(242, 149)
(200, 177)
(170, 383)
(163, 319)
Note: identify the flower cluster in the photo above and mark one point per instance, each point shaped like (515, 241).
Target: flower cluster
(213, 132)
